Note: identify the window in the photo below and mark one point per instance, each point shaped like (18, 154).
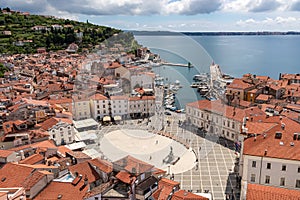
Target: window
(297, 183)
(267, 181)
(298, 169)
(227, 134)
(268, 165)
(228, 123)
(252, 179)
(232, 135)
(233, 125)
(253, 163)
(282, 181)
(53, 136)
(283, 168)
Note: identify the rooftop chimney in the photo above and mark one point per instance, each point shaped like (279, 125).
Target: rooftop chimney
(282, 126)
(86, 180)
(266, 151)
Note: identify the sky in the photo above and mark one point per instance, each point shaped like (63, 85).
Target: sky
(172, 15)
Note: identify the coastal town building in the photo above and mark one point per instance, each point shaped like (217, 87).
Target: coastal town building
(100, 106)
(141, 106)
(271, 157)
(81, 108)
(218, 118)
(61, 130)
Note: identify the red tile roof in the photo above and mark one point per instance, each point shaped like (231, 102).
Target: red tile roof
(133, 165)
(239, 84)
(86, 170)
(165, 188)
(33, 159)
(43, 144)
(49, 123)
(63, 190)
(5, 153)
(255, 192)
(63, 150)
(99, 97)
(263, 97)
(272, 145)
(13, 175)
(227, 111)
(97, 190)
(32, 180)
(143, 98)
(184, 195)
(259, 127)
(124, 176)
(103, 165)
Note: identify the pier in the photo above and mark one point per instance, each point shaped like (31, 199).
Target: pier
(189, 65)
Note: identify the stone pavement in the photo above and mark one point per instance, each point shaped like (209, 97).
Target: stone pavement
(215, 156)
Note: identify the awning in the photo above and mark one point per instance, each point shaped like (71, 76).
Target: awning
(117, 118)
(106, 119)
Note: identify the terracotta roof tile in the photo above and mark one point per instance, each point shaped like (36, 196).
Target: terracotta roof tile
(255, 192)
(85, 169)
(124, 176)
(63, 150)
(165, 188)
(49, 123)
(103, 165)
(239, 84)
(285, 150)
(5, 153)
(13, 175)
(259, 127)
(32, 180)
(33, 159)
(97, 190)
(228, 111)
(43, 144)
(132, 165)
(263, 97)
(99, 97)
(184, 195)
(78, 154)
(63, 190)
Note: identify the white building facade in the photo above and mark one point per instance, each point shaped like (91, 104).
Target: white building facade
(62, 133)
(81, 109)
(215, 118)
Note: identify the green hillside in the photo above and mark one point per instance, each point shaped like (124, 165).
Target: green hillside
(24, 33)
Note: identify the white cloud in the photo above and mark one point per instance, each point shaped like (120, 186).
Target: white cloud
(271, 23)
(117, 7)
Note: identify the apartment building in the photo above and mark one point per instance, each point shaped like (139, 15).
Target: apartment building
(273, 158)
(218, 118)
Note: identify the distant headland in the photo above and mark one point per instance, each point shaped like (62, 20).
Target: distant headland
(222, 33)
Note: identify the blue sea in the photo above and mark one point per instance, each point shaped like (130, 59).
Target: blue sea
(236, 55)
